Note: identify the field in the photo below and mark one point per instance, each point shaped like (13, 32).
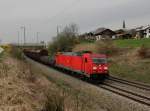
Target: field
(132, 43)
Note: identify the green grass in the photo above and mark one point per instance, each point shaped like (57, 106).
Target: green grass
(2, 56)
(132, 43)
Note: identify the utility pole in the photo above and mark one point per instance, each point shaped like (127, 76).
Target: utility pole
(18, 37)
(57, 30)
(124, 24)
(37, 37)
(24, 34)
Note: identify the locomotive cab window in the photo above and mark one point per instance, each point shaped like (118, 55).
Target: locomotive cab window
(99, 60)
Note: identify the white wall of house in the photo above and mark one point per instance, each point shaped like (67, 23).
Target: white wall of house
(147, 32)
(1, 50)
(98, 37)
(114, 37)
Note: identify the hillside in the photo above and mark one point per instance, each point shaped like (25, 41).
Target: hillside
(124, 57)
(133, 43)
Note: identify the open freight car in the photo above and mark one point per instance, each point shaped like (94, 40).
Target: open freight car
(94, 66)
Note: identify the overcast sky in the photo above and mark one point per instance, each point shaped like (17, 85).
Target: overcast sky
(43, 16)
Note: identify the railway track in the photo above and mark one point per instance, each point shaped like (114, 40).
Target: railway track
(130, 83)
(124, 91)
(128, 94)
(140, 98)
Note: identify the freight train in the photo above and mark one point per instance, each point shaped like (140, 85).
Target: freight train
(94, 66)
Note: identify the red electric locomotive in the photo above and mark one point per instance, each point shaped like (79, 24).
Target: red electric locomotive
(91, 65)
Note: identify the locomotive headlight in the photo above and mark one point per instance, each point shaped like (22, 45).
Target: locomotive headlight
(94, 68)
(105, 68)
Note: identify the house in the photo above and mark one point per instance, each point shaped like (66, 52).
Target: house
(125, 33)
(100, 33)
(103, 33)
(87, 36)
(143, 32)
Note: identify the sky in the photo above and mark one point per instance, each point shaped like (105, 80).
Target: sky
(44, 16)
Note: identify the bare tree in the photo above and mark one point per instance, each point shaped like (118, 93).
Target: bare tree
(66, 40)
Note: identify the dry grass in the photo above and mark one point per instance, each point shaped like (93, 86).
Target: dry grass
(88, 46)
(144, 52)
(23, 88)
(54, 102)
(131, 66)
(106, 47)
(18, 87)
(129, 63)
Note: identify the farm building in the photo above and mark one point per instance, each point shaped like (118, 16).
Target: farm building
(100, 33)
(87, 36)
(143, 32)
(125, 33)
(104, 33)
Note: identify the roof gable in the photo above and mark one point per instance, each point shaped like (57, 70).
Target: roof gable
(101, 31)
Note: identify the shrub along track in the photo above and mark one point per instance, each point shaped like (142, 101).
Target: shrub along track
(133, 95)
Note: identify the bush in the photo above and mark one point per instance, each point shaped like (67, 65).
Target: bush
(144, 52)
(107, 47)
(16, 52)
(85, 47)
(54, 102)
(65, 41)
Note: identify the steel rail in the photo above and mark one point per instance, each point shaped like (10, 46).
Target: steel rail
(130, 92)
(131, 83)
(124, 95)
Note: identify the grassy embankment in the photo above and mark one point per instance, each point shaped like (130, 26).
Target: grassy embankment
(23, 88)
(18, 85)
(1, 54)
(132, 43)
(125, 60)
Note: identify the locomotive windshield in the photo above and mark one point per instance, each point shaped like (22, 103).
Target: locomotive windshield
(99, 60)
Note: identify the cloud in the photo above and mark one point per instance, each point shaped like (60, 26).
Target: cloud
(44, 15)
